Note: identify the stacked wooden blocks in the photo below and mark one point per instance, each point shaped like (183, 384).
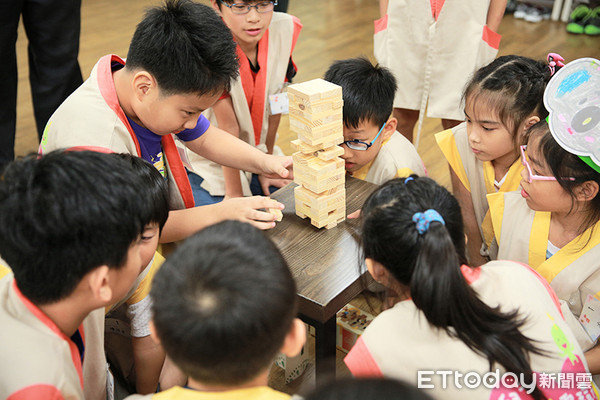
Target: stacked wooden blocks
(316, 116)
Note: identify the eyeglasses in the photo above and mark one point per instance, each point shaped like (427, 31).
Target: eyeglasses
(244, 8)
(362, 146)
(533, 177)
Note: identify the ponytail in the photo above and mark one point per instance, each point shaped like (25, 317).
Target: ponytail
(429, 262)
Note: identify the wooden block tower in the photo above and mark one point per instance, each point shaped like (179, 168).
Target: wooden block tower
(316, 116)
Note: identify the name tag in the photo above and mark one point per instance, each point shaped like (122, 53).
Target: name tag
(590, 317)
(279, 103)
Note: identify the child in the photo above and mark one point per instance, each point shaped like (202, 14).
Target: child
(223, 317)
(501, 317)
(373, 150)
(501, 101)
(132, 353)
(433, 47)
(264, 40)
(180, 59)
(70, 228)
(552, 223)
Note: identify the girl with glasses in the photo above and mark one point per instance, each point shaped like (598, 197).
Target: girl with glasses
(552, 225)
(455, 319)
(501, 101)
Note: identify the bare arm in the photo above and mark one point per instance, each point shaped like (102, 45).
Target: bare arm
(272, 132)
(495, 14)
(184, 223)
(592, 356)
(148, 357)
(228, 122)
(383, 5)
(222, 148)
(474, 241)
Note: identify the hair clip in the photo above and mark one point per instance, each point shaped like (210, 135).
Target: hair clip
(423, 219)
(410, 178)
(554, 60)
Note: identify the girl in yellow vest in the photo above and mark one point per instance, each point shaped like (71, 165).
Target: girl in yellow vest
(552, 223)
(459, 332)
(501, 101)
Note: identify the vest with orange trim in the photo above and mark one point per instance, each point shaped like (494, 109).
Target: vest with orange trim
(92, 116)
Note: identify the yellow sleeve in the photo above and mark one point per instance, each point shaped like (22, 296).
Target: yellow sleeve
(143, 288)
(4, 270)
(496, 203)
(404, 172)
(447, 144)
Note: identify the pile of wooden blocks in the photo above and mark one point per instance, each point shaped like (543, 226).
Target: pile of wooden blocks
(316, 116)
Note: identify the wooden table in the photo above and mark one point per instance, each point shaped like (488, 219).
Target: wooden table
(325, 265)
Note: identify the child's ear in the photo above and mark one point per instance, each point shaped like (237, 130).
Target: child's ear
(142, 83)
(586, 191)
(529, 122)
(153, 334)
(98, 283)
(390, 128)
(295, 339)
(377, 271)
(215, 6)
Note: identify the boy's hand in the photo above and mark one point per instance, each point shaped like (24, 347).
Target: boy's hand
(248, 209)
(266, 183)
(277, 167)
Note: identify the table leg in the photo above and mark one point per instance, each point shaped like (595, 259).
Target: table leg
(325, 351)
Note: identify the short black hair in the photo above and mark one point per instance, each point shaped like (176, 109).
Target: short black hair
(367, 388)
(187, 47)
(368, 90)
(64, 214)
(156, 190)
(223, 303)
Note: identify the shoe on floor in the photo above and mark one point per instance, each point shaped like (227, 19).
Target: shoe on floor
(576, 22)
(536, 14)
(592, 23)
(521, 10)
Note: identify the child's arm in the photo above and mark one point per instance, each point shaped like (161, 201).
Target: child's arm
(222, 148)
(265, 182)
(474, 241)
(383, 5)
(592, 356)
(495, 14)
(227, 121)
(148, 357)
(184, 223)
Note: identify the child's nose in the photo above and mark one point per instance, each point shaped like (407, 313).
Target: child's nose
(474, 135)
(346, 151)
(253, 14)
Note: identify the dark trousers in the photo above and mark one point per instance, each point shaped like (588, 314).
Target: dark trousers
(52, 28)
(282, 5)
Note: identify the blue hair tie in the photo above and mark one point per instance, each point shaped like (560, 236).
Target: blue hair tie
(410, 178)
(423, 219)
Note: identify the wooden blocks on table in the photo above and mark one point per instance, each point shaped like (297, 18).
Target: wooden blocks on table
(316, 116)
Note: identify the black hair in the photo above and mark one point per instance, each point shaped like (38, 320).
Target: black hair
(156, 190)
(564, 164)
(223, 303)
(64, 214)
(367, 388)
(368, 90)
(513, 86)
(186, 47)
(430, 265)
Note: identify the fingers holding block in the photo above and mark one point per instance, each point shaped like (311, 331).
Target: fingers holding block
(277, 213)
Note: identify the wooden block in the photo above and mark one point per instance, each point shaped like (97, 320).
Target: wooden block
(314, 166)
(326, 112)
(314, 90)
(325, 202)
(324, 142)
(330, 153)
(323, 185)
(312, 134)
(277, 213)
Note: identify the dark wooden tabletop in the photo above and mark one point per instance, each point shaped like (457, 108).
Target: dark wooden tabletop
(324, 262)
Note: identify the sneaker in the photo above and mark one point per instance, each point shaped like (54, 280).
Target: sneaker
(576, 22)
(592, 23)
(535, 14)
(521, 10)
